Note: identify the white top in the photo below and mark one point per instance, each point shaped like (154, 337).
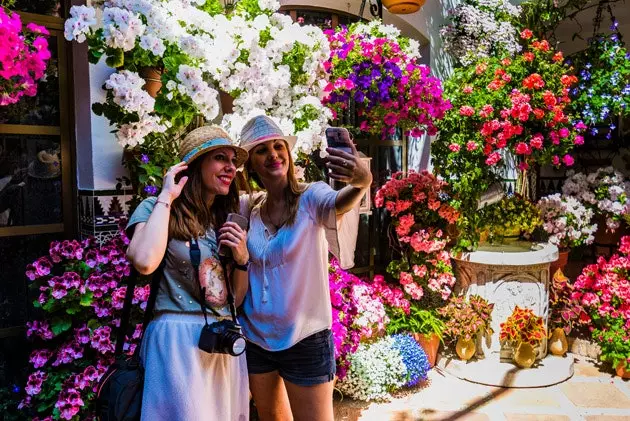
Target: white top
(288, 297)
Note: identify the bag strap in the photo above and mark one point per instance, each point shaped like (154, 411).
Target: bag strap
(148, 312)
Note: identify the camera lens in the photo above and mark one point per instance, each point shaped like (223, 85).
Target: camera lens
(238, 346)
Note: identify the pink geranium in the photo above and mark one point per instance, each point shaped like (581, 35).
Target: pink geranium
(23, 57)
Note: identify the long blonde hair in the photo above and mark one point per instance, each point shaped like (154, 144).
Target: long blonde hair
(292, 192)
(190, 214)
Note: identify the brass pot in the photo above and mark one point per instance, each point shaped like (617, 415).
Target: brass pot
(465, 348)
(525, 355)
(558, 344)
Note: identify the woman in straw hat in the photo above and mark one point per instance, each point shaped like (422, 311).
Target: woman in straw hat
(183, 382)
(287, 311)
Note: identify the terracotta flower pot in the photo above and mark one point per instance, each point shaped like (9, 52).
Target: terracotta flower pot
(153, 80)
(563, 259)
(227, 102)
(430, 344)
(525, 355)
(403, 7)
(623, 372)
(558, 344)
(465, 348)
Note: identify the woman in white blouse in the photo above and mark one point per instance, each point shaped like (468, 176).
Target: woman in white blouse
(287, 312)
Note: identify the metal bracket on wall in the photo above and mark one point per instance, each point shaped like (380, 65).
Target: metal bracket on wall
(376, 8)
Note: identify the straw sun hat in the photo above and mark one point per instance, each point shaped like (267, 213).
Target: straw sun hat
(262, 129)
(205, 139)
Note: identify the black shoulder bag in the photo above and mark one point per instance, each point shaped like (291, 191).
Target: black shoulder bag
(119, 392)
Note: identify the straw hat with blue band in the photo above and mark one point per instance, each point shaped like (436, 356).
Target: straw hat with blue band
(205, 139)
(261, 129)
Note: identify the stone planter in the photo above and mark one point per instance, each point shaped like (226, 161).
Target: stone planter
(508, 275)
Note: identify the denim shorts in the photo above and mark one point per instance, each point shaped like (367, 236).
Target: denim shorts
(307, 363)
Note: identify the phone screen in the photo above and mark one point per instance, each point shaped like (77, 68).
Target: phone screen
(338, 138)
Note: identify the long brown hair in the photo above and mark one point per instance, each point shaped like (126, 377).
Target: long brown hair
(292, 192)
(190, 214)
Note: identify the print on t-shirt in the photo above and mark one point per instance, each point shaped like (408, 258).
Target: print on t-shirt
(212, 279)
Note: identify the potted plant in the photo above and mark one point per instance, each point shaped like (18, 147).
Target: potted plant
(562, 313)
(568, 223)
(600, 297)
(523, 332)
(509, 219)
(508, 112)
(467, 322)
(424, 325)
(607, 192)
(24, 57)
(614, 342)
(419, 204)
(377, 70)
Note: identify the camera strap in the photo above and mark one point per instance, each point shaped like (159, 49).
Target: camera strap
(195, 260)
(224, 264)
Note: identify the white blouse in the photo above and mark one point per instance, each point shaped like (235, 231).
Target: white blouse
(288, 297)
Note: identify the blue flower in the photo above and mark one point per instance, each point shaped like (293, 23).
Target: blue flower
(144, 158)
(413, 357)
(150, 190)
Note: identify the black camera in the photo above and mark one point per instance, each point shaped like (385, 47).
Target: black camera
(222, 337)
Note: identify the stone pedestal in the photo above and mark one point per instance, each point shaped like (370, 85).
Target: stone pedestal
(508, 275)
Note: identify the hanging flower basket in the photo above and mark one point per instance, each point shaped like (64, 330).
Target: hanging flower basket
(403, 7)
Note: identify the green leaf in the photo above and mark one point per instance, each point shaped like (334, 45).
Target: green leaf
(87, 299)
(60, 324)
(73, 310)
(97, 108)
(115, 58)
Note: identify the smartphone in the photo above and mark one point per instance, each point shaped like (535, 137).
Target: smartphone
(242, 222)
(339, 138)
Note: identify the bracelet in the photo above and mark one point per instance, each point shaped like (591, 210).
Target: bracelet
(168, 205)
(244, 267)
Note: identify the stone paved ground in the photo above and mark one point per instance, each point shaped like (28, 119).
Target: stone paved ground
(590, 395)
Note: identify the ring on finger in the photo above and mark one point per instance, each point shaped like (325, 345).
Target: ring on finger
(344, 163)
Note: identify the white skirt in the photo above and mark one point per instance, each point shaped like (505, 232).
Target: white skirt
(184, 383)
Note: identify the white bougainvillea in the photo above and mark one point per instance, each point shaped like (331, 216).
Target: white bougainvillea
(480, 28)
(269, 64)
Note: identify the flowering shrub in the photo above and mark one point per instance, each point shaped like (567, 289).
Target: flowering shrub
(604, 90)
(513, 215)
(605, 191)
(466, 318)
(523, 326)
(505, 109)
(376, 370)
(372, 65)
(23, 57)
(358, 311)
(601, 297)
(567, 221)
(81, 294)
(480, 29)
(414, 358)
(420, 210)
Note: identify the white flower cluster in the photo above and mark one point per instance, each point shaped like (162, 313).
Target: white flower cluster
(127, 90)
(479, 29)
(371, 313)
(268, 63)
(567, 221)
(376, 370)
(606, 191)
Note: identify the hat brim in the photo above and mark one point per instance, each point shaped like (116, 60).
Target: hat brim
(291, 141)
(241, 154)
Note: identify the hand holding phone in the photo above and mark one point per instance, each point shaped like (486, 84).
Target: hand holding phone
(242, 222)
